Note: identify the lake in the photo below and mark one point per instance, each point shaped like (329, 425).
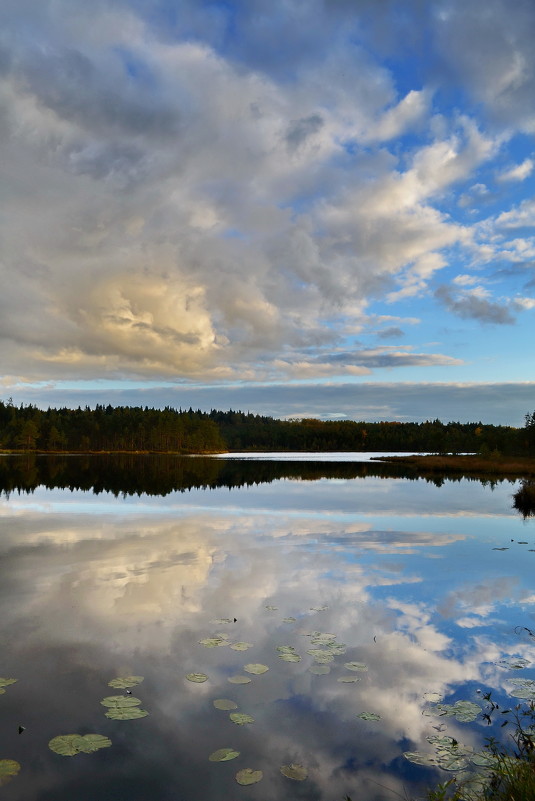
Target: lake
(320, 617)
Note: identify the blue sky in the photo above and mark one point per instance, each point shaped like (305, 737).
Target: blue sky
(322, 208)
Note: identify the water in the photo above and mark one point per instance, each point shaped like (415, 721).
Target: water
(404, 573)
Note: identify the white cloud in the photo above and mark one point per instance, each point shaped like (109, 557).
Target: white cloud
(519, 172)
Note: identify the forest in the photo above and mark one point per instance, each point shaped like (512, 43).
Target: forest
(142, 429)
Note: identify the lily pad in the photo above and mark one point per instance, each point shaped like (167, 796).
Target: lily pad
(360, 666)
(225, 703)
(484, 759)
(419, 758)
(286, 649)
(513, 664)
(433, 698)
(348, 679)
(241, 646)
(318, 608)
(221, 620)
(239, 679)
(72, 744)
(198, 678)
(336, 647)
(369, 716)
(297, 772)
(212, 642)
(239, 718)
(94, 742)
(319, 670)
(322, 638)
(123, 682)
(322, 657)
(5, 683)
(271, 608)
(8, 769)
(289, 619)
(287, 657)
(463, 711)
(523, 688)
(248, 776)
(120, 701)
(125, 713)
(256, 669)
(223, 755)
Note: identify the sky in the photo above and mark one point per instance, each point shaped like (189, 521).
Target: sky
(296, 207)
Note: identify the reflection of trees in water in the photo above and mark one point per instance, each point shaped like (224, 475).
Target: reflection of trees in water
(149, 474)
(524, 498)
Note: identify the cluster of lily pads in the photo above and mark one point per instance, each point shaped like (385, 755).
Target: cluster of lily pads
(324, 648)
(451, 755)
(120, 707)
(8, 767)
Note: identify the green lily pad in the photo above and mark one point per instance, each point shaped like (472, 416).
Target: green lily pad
(225, 703)
(287, 657)
(223, 755)
(356, 666)
(212, 642)
(336, 647)
(248, 776)
(6, 683)
(452, 761)
(319, 670)
(123, 682)
(198, 678)
(369, 716)
(239, 679)
(94, 742)
(256, 669)
(523, 692)
(271, 608)
(239, 718)
(297, 772)
(348, 679)
(221, 620)
(484, 759)
(289, 619)
(321, 657)
(463, 711)
(120, 701)
(8, 769)
(433, 698)
(523, 688)
(241, 646)
(322, 638)
(419, 758)
(286, 649)
(318, 608)
(513, 664)
(125, 713)
(72, 744)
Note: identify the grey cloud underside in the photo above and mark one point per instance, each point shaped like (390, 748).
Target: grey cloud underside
(186, 199)
(470, 306)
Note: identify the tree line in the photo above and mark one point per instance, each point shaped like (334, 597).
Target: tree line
(168, 430)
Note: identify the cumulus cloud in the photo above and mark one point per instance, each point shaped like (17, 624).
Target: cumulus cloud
(184, 203)
(474, 304)
(519, 172)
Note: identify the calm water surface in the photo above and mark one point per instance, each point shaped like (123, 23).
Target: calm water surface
(403, 573)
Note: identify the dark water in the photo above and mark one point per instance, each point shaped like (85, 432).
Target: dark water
(119, 567)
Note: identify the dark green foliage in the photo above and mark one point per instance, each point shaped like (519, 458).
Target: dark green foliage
(168, 430)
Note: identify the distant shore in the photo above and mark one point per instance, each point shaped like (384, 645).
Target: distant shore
(509, 466)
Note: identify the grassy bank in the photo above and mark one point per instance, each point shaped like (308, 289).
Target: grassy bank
(502, 466)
